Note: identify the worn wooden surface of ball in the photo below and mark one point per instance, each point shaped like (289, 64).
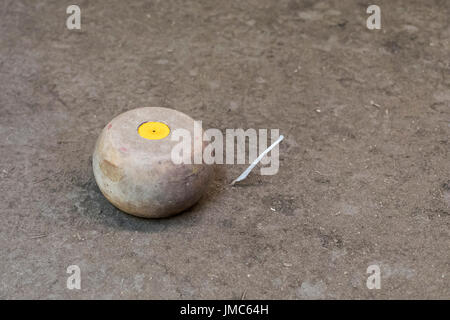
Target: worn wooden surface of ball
(133, 166)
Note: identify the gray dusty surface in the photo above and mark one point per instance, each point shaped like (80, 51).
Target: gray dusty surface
(365, 170)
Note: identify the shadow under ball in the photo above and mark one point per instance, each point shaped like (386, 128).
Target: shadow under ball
(133, 167)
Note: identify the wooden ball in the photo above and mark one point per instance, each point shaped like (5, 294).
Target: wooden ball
(133, 166)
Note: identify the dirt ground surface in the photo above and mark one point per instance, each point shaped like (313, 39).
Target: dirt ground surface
(364, 173)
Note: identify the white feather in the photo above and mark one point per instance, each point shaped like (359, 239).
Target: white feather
(254, 163)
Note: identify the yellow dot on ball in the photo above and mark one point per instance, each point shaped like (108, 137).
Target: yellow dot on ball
(153, 130)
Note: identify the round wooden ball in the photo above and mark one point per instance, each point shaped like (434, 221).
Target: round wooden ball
(133, 166)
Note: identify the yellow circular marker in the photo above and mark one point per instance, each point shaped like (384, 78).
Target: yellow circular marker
(153, 130)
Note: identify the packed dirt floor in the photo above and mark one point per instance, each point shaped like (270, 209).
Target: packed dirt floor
(364, 174)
